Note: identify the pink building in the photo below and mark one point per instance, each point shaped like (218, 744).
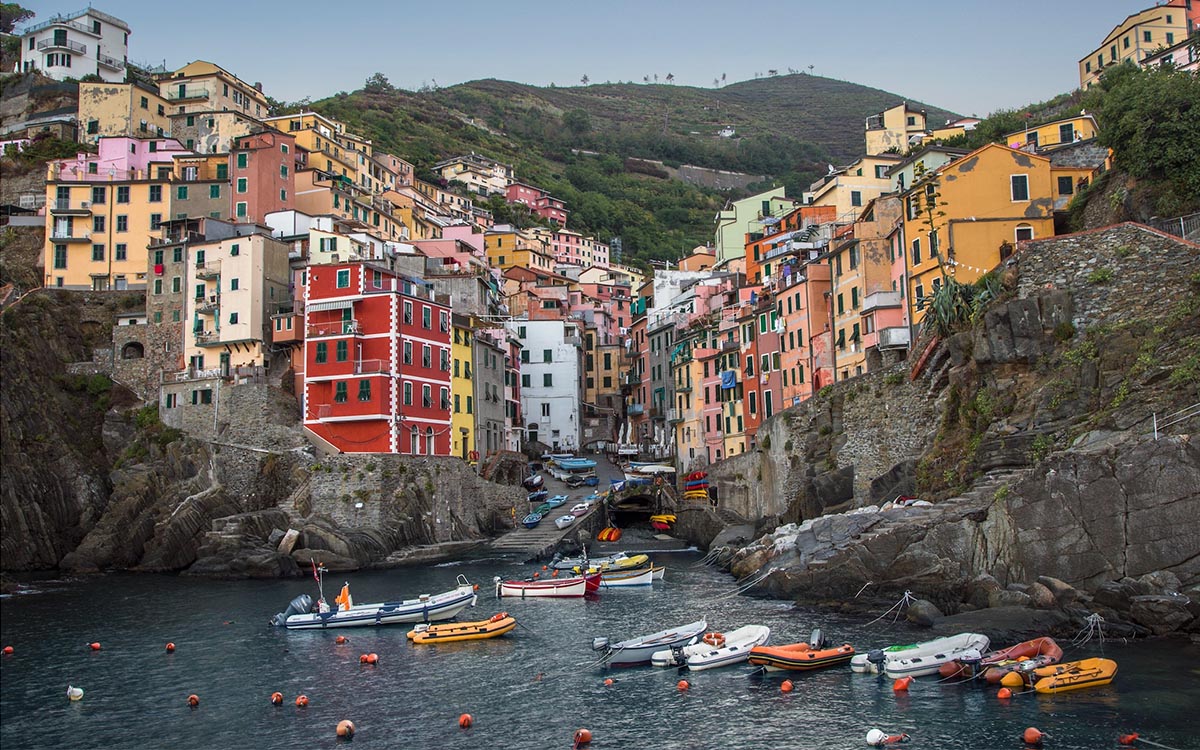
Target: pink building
(120, 158)
(538, 201)
(572, 248)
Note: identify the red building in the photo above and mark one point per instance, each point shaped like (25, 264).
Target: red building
(539, 202)
(263, 172)
(376, 361)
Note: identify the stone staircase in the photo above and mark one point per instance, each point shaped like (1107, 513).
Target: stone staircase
(543, 538)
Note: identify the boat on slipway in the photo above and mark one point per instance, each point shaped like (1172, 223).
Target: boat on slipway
(346, 614)
(641, 650)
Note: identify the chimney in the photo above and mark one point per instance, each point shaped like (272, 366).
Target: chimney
(258, 86)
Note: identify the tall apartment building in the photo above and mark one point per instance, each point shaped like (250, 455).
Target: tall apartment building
(115, 109)
(74, 45)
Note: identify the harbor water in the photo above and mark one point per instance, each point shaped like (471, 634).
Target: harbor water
(530, 689)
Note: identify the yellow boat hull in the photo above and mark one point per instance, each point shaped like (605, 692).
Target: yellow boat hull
(463, 631)
(1075, 675)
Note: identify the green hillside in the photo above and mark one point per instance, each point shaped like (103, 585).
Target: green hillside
(787, 129)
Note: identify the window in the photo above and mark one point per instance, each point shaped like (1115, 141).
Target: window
(283, 148)
(841, 307)
(521, 331)
(322, 352)
(339, 393)
(547, 355)
(1145, 38)
(241, 184)
(426, 318)
(234, 251)
(156, 193)
(214, 191)
(123, 194)
(283, 171)
(241, 160)
(426, 396)
(122, 223)
(1020, 187)
(222, 171)
(97, 223)
(233, 318)
(158, 286)
(155, 221)
(233, 285)
(98, 195)
(181, 193)
(525, 356)
(343, 278)
(855, 198)
(1066, 186)
(97, 252)
(241, 210)
(548, 380)
(1024, 232)
(122, 251)
(1066, 133)
(283, 195)
(916, 251)
(408, 395)
(364, 390)
(854, 298)
(426, 358)
(457, 403)
(408, 352)
(343, 351)
(1170, 35)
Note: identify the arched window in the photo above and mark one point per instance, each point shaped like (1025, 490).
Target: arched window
(429, 441)
(414, 441)
(133, 350)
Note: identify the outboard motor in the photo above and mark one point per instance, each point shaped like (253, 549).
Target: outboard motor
(677, 657)
(300, 605)
(599, 644)
(816, 641)
(876, 657)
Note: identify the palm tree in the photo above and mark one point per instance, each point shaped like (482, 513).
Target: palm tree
(584, 80)
(670, 78)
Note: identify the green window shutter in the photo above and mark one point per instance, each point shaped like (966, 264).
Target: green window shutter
(343, 351)
(322, 352)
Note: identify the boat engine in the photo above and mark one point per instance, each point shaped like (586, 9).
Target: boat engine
(816, 641)
(677, 656)
(599, 644)
(299, 606)
(876, 657)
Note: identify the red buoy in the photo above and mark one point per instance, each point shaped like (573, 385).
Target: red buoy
(1033, 736)
(372, 658)
(465, 721)
(340, 640)
(363, 659)
(193, 700)
(787, 686)
(345, 729)
(277, 699)
(582, 737)
(608, 681)
(95, 646)
(8, 650)
(682, 685)
(1127, 739)
(1003, 693)
(901, 685)
(302, 701)
(170, 648)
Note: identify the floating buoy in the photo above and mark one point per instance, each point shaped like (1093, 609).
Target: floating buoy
(372, 658)
(554, 574)
(901, 685)
(545, 567)
(193, 700)
(302, 701)
(345, 729)
(787, 686)
(340, 640)
(582, 737)
(1033, 736)
(277, 699)
(1003, 693)
(877, 738)
(1127, 739)
(94, 646)
(465, 721)
(170, 648)
(8, 650)
(74, 693)
(682, 685)
(364, 659)
(608, 682)
(537, 575)
(1012, 680)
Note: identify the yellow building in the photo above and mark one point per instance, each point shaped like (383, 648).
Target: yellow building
(963, 218)
(850, 188)
(896, 129)
(1136, 38)
(233, 286)
(202, 86)
(848, 292)
(130, 109)
(330, 148)
(954, 128)
(508, 248)
(481, 175)
(321, 194)
(212, 132)
(1057, 133)
(462, 390)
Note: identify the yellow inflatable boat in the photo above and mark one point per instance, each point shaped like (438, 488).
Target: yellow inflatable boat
(493, 627)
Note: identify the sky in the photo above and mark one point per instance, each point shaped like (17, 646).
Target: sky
(966, 56)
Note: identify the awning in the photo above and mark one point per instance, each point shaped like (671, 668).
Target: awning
(344, 304)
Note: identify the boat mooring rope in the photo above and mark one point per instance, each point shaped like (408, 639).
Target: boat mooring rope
(905, 601)
(747, 583)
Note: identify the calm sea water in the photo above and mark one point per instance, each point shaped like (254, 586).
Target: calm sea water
(136, 693)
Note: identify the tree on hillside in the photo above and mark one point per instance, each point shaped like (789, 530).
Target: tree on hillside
(12, 14)
(670, 78)
(577, 121)
(584, 80)
(379, 84)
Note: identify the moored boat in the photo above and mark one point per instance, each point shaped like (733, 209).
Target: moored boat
(575, 586)
(802, 657)
(874, 661)
(1031, 654)
(580, 509)
(493, 627)
(616, 560)
(425, 608)
(563, 522)
(556, 501)
(963, 646)
(714, 650)
(640, 650)
(531, 520)
(626, 578)
(532, 482)
(1075, 675)
(538, 496)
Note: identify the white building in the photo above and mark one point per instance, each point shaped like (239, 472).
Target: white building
(551, 380)
(74, 45)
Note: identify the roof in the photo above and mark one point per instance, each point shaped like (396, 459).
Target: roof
(1082, 115)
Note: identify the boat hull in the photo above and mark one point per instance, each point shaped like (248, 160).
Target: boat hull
(463, 631)
(637, 651)
(800, 657)
(560, 588)
(627, 578)
(702, 656)
(861, 663)
(929, 664)
(437, 608)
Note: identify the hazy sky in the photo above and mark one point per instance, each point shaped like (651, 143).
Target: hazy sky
(967, 56)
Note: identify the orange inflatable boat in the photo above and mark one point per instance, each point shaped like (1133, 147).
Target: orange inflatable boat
(800, 657)
(1032, 654)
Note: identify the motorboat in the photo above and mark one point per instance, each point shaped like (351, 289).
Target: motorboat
(640, 650)
(538, 496)
(1075, 675)
(531, 520)
(563, 522)
(556, 501)
(345, 613)
(802, 657)
(575, 586)
(873, 662)
(626, 578)
(714, 650)
(533, 482)
(1031, 654)
(961, 646)
(580, 509)
(617, 559)
(493, 627)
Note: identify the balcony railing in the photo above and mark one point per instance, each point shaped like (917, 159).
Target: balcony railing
(880, 300)
(205, 305)
(370, 366)
(728, 346)
(208, 269)
(191, 92)
(64, 44)
(334, 328)
(673, 415)
(207, 338)
(346, 411)
(63, 206)
(894, 338)
(635, 410)
(61, 234)
(61, 20)
(111, 62)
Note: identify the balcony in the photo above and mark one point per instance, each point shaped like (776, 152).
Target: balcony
(61, 20)
(66, 234)
(685, 388)
(573, 340)
(64, 44)
(635, 410)
(334, 328)
(674, 415)
(178, 238)
(349, 411)
(371, 367)
(879, 301)
(208, 269)
(208, 305)
(286, 327)
(63, 207)
(187, 93)
(729, 346)
(207, 338)
(894, 338)
(111, 62)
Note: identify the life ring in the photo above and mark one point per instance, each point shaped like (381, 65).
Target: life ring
(498, 618)
(716, 640)
(473, 455)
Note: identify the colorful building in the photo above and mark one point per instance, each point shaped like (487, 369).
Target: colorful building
(847, 189)
(895, 130)
(201, 86)
(1054, 134)
(377, 373)
(538, 201)
(1138, 37)
(121, 109)
(263, 173)
(74, 45)
(462, 391)
(480, 174)
(739, 218)
(491, 403)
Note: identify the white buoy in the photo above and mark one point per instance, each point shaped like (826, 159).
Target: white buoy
(74, 693)
(876, 738)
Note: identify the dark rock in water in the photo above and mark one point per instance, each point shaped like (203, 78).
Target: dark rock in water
(1161, 613)
(1004, 625)
(1040, 596)
(924, 613)
(334, 562)
(1005, 598)
(980, 589)
(899, 480)
(1064, 593)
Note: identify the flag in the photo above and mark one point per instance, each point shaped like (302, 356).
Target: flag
(316, 577)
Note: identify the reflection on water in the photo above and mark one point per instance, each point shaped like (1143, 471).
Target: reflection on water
(530, 689)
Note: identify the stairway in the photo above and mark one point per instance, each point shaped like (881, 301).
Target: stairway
(541, 539)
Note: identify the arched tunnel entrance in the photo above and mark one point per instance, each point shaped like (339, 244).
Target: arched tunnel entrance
(633, 509)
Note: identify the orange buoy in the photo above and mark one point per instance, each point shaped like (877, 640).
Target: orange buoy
(545, 567)
(465, 721)
(193, 700)
(372, 658)
(554, 574)
(1127, 739)
(608, 682)
(170, 648)
(8, 650)
(787, 686)
(95, 646)
(345, 729)
(537, 575)
(901, 685)
(340, 640)
(582, 737)
(1033, 736)
(277, 699)
(1012, 680)
(1003, 693)
(302, 701)
(362, 659)
(682, 685)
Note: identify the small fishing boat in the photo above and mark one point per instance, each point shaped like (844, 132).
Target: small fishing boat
(531, 520)
(1075, 675)
(493, 627)
(1031, 654)
(574, 470)
(873, 661)
(556, 501)
(616, 560)
(641, 650)
(425, 608)
(963, 646)
(563, 522)
(539, 496)
(549, 587)
(580, 509)
(532, 482)
(802, 657)
(626, 578)
(543, 509)
(714, 650)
